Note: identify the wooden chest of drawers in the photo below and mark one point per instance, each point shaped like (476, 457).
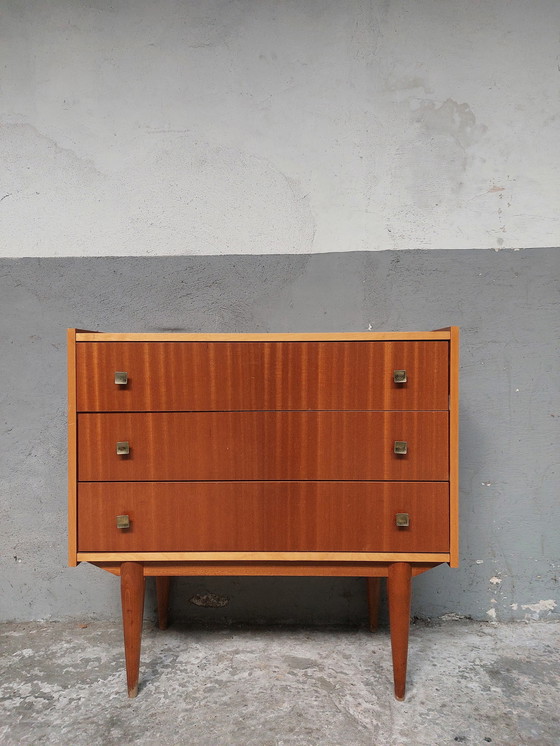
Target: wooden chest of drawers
(263, 454)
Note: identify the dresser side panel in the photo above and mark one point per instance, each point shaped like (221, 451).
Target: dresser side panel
(72, 449)
(454, 446)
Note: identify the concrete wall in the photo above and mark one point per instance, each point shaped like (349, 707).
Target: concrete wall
(258, 126)
(299, 139)
(507, 304)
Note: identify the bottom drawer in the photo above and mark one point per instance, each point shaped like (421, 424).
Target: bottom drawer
(263, 516)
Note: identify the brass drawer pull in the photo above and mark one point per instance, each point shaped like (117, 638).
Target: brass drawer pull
(400, 447)
(121, 377)
(123, 448)
(402, 520)
(123, 521)
(399, 376)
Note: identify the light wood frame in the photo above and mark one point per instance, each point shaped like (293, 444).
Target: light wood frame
(263, 556)
(441, 334)
(454, 446)
(72, 451)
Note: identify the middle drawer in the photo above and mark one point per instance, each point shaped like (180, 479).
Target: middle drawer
(263, 446)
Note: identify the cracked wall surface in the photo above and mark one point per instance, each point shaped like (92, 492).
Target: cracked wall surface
(214, 127)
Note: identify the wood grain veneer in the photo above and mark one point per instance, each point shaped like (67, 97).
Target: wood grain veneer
(264, 516)
(222, 376)
(263, 446)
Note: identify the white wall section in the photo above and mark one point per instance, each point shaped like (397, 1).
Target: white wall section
(213, 127)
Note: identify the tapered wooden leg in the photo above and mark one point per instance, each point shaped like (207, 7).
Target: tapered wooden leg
(399, 587)
(162, 591)
(132, 599)
(373, 591)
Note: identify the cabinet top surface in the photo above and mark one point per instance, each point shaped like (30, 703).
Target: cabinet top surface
(82, 336)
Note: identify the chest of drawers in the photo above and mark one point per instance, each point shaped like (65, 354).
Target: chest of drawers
(263, 454)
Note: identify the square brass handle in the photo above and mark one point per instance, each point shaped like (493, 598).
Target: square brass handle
(399, 376)
(123, 448)
(401, 447)
(402, 520)
(123, 521)
(121, 377)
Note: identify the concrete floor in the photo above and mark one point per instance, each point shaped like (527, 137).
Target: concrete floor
(468, 682)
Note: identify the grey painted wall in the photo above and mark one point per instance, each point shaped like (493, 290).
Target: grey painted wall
(264, 127)
(507, 304)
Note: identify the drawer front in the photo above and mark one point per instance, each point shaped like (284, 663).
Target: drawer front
(224, 376)
(263, 446)
(257, 516)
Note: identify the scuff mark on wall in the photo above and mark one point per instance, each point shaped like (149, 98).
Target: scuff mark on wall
(540, 608)
(436, 150)
(450, 118)
(452, 616)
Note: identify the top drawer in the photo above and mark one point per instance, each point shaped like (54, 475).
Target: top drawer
(226, 376)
